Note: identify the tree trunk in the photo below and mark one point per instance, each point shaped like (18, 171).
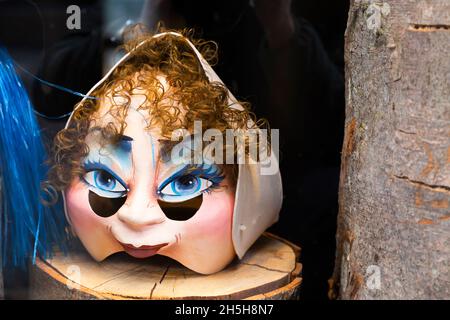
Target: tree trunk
(394, 219)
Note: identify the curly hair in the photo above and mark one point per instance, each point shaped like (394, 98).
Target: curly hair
(191, 97)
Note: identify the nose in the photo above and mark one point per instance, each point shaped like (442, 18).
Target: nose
(141, 212)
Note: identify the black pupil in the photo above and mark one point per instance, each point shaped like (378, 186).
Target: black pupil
(105, 178)
(186, 180)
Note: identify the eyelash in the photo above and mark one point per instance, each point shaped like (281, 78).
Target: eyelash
(213, 174)
(98, 165)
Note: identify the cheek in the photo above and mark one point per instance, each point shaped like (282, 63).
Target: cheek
(92, 230)
(213, 219)
(81, 216)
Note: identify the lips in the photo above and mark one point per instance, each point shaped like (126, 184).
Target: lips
(142, 251)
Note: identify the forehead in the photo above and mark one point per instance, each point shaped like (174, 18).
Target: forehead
(134, 102)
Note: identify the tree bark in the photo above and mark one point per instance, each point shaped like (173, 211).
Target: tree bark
(393, 237)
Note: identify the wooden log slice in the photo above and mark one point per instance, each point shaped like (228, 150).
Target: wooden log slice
(269, 270)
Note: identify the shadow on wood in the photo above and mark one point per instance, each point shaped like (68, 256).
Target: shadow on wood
(269, 270)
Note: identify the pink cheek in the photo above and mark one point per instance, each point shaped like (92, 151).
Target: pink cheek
(214, 216)
(80, 213)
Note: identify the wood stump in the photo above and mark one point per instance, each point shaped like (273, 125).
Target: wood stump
(269, 270)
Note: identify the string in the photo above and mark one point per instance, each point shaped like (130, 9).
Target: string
(53, 85)
(47, 83)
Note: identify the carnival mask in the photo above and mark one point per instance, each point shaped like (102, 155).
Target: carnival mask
(134, 194)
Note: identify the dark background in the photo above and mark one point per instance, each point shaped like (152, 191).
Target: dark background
(310, 118)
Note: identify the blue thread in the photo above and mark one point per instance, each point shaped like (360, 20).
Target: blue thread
(53, 85)
(29, 228)
(50, 117)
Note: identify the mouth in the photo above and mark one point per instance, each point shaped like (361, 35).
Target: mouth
(142, 251)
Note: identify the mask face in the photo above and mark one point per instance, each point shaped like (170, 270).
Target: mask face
(134, 198)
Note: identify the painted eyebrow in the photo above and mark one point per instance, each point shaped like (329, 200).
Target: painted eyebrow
(124, 143)
(165, 148)
(126, 138)
(168, 142)
(166, 145)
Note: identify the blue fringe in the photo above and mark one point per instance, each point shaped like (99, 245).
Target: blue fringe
(29, 227)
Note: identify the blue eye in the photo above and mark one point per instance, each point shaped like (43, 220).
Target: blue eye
(104, 183)
(185, 185)
(184, 188)
(104, 180)
(189, 182)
